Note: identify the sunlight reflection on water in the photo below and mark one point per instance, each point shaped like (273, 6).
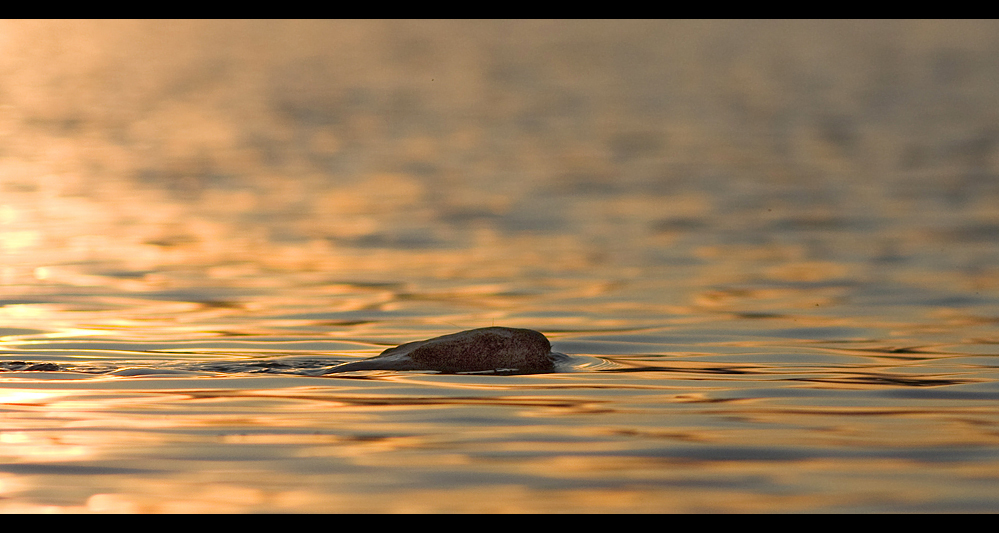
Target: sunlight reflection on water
(769, 249)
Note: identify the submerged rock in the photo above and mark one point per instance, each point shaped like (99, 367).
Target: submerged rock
(475, 350)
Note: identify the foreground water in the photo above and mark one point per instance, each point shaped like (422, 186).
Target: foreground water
(774, 271)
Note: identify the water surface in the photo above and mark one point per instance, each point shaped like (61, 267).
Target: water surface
(770, 249)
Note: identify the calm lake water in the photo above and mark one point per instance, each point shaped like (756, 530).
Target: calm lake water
(771, 249)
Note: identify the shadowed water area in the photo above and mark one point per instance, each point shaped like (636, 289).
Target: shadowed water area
(765, 254)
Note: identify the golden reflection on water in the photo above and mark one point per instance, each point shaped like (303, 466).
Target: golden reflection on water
(155, 431)
(769, 249)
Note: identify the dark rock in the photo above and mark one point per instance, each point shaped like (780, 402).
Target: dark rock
(476, 350)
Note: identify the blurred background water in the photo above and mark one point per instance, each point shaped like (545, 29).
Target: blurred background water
(772, 246)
